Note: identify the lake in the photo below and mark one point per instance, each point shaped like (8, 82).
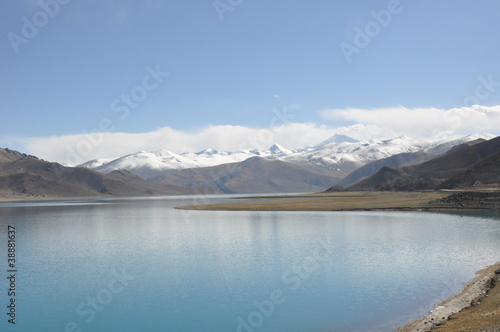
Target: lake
(141, 265)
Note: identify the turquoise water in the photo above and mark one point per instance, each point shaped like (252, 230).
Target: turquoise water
(140, 265)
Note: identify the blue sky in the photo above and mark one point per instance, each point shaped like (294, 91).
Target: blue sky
(235, 66)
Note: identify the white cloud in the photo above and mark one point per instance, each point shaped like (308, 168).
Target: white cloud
(379, 123)
(77, 149)
(423, 122)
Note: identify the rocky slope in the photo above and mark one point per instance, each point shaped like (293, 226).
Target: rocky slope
(436, 172)
(27, 175)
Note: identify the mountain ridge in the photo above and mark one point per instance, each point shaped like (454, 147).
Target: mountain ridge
(253, 175)
(433, 173)
(276, 170)
(23, 174)
(341, 154)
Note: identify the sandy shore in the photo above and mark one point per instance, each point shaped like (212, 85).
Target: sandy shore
(475, 308)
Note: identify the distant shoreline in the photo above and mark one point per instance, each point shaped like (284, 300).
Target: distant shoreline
(5, 198)
(365, 201)
(332, 201)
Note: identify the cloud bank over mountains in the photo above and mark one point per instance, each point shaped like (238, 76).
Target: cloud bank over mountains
(365, 124)
(418, 122)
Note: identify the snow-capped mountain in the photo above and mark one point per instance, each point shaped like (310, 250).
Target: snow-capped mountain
(336, 138)
(341, 154)
(446, 145)
(348, 155)
(151, 164)
(278, 151)
(96, 163)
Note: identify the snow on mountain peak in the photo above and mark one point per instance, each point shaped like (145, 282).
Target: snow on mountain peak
(278, 150)
(339, 152)
(210, 152)
(164, 153)
(479, 136)
(336, 138)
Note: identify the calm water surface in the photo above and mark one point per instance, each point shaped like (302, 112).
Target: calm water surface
(140, 265)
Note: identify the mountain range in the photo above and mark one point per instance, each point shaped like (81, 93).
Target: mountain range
(465, 165)
(152, 164)
(338, 160)
(26, 175)
(401, 163)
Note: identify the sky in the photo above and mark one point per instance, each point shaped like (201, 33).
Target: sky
(85, 79)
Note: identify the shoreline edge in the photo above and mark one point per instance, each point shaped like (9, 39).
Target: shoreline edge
(471, 295)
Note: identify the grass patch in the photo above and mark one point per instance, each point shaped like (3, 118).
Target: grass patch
(341, 201)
